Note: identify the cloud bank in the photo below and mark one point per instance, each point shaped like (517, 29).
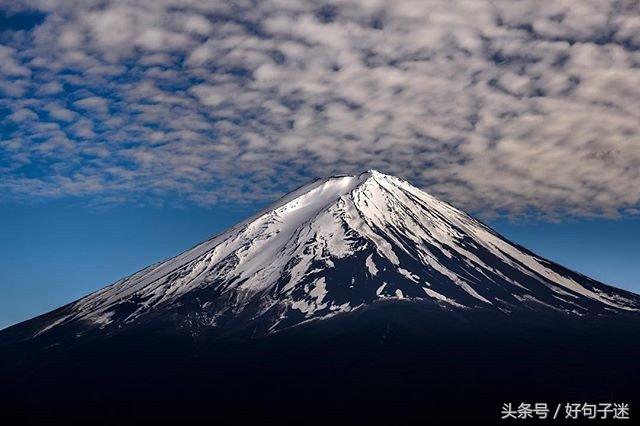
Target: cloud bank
(512, 107)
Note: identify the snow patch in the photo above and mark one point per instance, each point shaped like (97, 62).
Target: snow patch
(434, 294)
(409, 275)
(371, 266)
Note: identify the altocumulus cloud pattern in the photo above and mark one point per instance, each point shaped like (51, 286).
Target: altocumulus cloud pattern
(507, 107)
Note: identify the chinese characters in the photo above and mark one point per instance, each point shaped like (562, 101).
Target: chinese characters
(567, 411)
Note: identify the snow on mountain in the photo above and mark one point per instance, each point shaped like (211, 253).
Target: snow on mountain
(333, 246)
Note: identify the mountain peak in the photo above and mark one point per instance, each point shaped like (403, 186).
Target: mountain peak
(374, 172)
(334, 246)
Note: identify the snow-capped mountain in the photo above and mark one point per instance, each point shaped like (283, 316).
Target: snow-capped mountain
(352, 298)
(334, 246)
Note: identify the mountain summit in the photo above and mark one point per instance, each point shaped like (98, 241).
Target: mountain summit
(352, 298)
(335, 246)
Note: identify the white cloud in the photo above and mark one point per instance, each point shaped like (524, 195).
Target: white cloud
(497, 106)
(93, 103)
(9, 66)
(23, 114)
(59, 113)
(196, 24)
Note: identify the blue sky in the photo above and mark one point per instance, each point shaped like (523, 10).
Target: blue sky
(113, 109)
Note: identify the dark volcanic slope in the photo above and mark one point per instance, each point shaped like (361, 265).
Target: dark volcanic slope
(395, 361)
(353, 297)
